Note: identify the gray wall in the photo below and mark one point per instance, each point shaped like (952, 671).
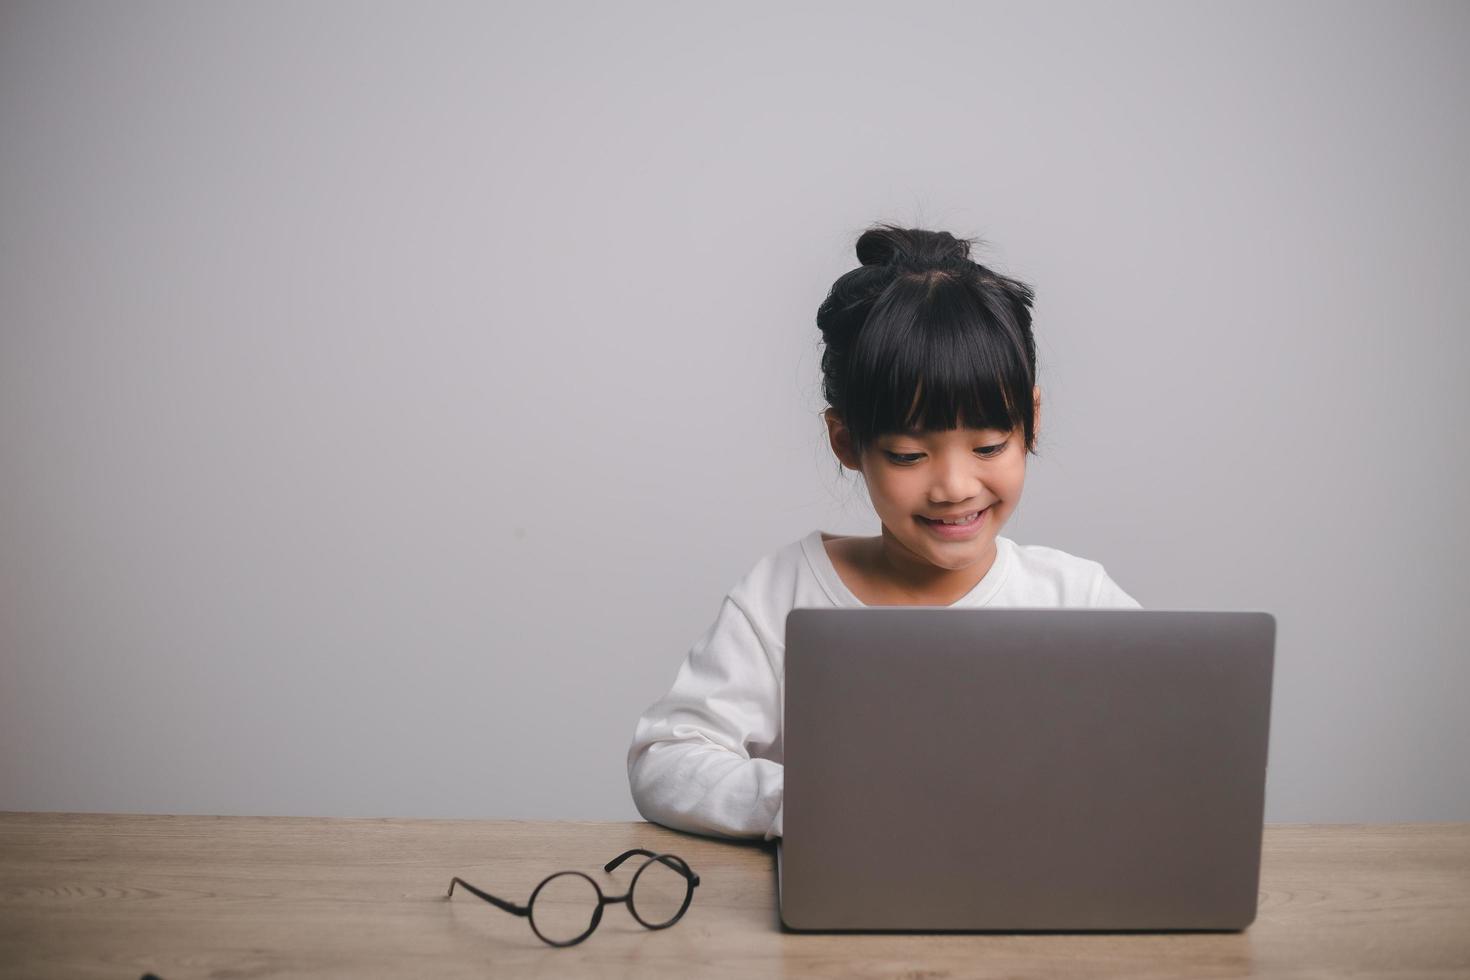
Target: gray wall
(388, 396)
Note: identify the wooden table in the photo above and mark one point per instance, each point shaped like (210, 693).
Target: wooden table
(107, 895)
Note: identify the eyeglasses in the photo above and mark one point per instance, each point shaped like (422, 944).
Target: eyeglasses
(567, 906)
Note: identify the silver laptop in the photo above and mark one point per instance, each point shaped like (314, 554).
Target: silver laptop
(1023, 769)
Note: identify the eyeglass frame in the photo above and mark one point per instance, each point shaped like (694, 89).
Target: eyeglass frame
(682, 867)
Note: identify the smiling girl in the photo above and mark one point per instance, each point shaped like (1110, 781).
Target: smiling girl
(929, 371)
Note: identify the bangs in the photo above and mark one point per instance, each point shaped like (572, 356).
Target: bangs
(932, 358)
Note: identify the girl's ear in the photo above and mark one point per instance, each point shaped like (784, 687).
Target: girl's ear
(1036, 416)
(841, 441)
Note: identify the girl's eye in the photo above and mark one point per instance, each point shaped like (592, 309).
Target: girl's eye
(905, 459)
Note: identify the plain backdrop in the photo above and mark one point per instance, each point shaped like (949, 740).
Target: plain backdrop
(389, 393)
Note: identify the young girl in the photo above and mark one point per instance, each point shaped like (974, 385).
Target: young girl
(929, 374)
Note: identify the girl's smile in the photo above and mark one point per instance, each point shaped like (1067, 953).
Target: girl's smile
(958, 528)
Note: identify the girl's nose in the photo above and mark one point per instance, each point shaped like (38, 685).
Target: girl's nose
(955, 482)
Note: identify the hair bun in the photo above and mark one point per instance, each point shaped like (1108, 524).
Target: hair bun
(886, 244)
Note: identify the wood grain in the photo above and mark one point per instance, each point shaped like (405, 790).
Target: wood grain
(111, 895)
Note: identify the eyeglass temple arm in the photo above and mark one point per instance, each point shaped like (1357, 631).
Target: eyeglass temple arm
(500, 903)
(680, 867)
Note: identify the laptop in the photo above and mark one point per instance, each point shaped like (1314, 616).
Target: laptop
(1021, 770)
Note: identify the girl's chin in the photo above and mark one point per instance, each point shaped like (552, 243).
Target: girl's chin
(957, 556)
(951, 555)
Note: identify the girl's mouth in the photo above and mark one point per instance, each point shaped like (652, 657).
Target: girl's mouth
(957, 532)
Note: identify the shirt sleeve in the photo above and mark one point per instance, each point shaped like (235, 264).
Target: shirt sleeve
(695, 763)
(1106, 594)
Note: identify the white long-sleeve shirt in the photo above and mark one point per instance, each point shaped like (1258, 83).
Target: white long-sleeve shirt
(707, 756)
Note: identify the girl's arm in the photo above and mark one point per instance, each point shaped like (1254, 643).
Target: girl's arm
(695, 760)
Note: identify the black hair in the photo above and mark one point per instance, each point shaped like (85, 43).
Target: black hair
(921, 338)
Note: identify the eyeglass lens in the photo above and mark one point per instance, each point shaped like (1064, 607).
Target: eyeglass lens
(659, 892)
(565, 908)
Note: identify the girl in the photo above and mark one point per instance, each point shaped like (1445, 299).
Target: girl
(929, 373)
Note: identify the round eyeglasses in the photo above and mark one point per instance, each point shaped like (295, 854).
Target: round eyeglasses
(566, 907)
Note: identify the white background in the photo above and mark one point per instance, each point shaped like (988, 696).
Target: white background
(390, 393)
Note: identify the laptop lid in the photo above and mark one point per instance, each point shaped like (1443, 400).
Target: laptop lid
(1023, 769)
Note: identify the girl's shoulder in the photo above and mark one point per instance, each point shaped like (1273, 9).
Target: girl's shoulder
(1044, 556)
(776, 572)
(798, 573)
(1050, 576)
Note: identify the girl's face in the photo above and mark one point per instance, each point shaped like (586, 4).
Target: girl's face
(915, 479)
